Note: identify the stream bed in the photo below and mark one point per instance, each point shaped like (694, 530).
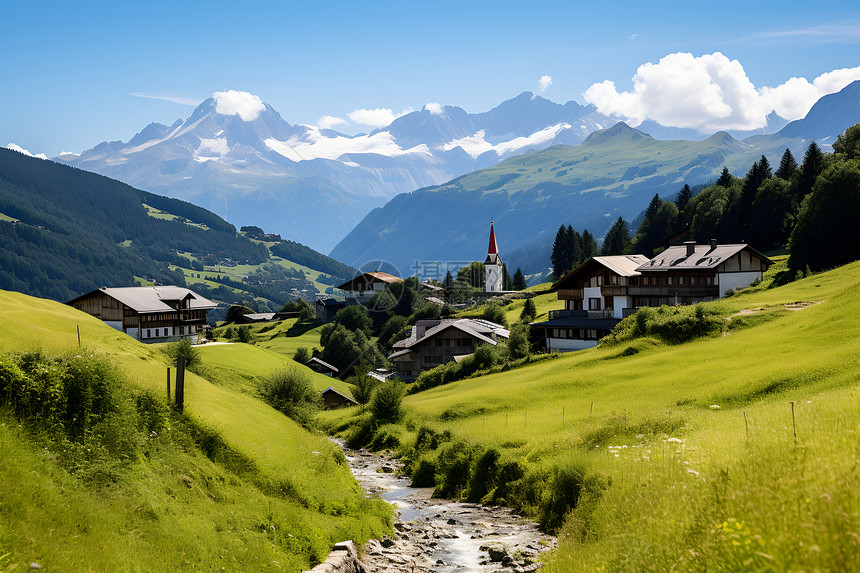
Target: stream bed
(441, 535)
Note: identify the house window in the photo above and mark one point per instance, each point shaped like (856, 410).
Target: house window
(608, 302)
(680, 280)
(594, 304)
(670, 280)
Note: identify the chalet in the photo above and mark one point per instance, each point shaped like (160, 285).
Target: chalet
(596, 297)
(603, 290)
(334, 399)
(363, 287)
(321, 367)
(148, 314)
(437, 341)
(327, 307)
(693, 273)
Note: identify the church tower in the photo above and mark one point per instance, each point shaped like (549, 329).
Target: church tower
(493, 266)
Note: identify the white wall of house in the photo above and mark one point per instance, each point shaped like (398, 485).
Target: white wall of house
(134, 333)
(619, 303)
(736, 280)
(568, 344)
(589, 293)
(117, 324)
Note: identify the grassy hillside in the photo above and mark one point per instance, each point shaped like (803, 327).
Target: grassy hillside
(677, 456)
(233, 483)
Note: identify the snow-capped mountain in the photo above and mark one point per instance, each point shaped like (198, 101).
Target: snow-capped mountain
(236, 156)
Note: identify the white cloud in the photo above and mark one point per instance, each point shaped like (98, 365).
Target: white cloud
(475, 145)
(379, 117)
(434, 108)
(709, 93)
(544, 82)
(329, 121)
(232, 102)
(170, 98)
(19, 149)
(316, 145)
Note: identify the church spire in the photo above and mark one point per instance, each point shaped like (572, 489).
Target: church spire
(493, 248)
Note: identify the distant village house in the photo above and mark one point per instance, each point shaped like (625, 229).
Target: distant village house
(366, 285)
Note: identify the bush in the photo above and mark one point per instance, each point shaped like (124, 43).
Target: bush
(363, 387)
(244, 334)
(424, 474)
(386, 401)
(495, 313)
(183, 348)
(302, 355)
(453, 464)
(483, 476)
(291, 392)
(561, 496)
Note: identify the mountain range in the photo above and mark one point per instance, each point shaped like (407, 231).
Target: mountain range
(614, 172)
(314, 185)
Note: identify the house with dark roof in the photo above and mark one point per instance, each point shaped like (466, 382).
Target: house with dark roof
(363, 287)
(604, 290)
(334, 399)
(321, 367)
(148, 314)
(437, 341)
(692, 273)
(326, 308)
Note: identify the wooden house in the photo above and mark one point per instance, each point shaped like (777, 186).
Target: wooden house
(596, 297)
(326, 308)
(148, 314)
(321, 367)
(334, 399)
(436, 341)
(363, 287)
(692, 273)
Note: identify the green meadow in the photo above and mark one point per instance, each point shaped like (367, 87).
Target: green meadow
(671, 456)
(229, 484)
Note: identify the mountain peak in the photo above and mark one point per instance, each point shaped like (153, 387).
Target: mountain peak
(619, 131)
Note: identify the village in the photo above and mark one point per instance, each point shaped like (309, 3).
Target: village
(592, 299)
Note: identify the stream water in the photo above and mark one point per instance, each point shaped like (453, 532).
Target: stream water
(441, 535)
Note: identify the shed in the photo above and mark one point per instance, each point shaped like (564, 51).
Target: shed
(321, 367)
(334, 399)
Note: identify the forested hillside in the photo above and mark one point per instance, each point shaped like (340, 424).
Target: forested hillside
(64, 231)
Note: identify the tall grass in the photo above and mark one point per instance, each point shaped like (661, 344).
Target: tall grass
(683, 455)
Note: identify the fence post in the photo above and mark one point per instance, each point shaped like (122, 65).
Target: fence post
(168, 383)
(180, 382)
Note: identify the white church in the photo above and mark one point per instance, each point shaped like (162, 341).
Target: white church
(494, 268)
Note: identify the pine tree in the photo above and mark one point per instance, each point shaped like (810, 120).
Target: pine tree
(684, 196)
(617, 241)
(589, 245)
(726, 179)
(449, 282)
(519, 282)
(529, 312)
(813, 164)
(560, 256)
(575, 244)
(787, 166)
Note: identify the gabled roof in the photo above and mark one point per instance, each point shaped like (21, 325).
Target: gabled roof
(319, 362)
(368, 278)
(331, 390)
(329, 302)
(622, 265)
(704, 257)
(152, 299)
(481, 329)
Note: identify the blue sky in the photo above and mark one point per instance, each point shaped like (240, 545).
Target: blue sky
(68, 70)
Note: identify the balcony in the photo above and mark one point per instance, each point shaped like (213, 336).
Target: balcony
(614, 290)
(590, 314)
(570, 294)
(681, 291)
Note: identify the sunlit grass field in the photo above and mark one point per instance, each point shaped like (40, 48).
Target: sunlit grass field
(297, 499)
(697, 440)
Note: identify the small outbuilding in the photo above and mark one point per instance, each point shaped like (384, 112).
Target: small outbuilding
(334, 399)
(321, 367)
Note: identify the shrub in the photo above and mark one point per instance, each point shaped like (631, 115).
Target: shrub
(424, 474)
(291, 392)
(244, 334)
(483, 476)
(453, 465)
(302, 355)
(561, 495)
(495, 313)
(386, 401)
(363, 387)
(183, 348)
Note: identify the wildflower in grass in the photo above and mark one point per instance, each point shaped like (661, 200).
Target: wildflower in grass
(675, 440)
(715, 406)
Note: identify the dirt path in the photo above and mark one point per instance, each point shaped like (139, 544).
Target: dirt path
(440, 535)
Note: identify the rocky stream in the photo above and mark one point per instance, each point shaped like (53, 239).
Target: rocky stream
(441, 535)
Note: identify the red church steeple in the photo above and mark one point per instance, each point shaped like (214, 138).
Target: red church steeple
(493, 249)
